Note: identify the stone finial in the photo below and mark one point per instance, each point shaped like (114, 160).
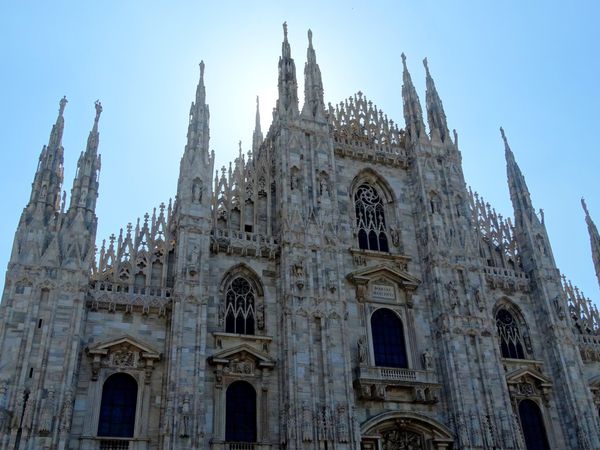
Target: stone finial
(98, 107)
(202, 69)
(426, 67)
(506, 146)
(63, 102)
(584, 205)
(310, 38)
(285, 31)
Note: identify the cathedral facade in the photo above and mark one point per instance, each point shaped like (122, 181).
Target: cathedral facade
(337, 287)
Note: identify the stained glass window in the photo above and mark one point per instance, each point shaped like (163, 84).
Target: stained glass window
(240, 420)
(239, 307)
(511, 341)
(370, 219)
(117, 410)
(388, 339)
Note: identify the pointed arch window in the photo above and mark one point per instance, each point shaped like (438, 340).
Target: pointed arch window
(511, 339)
(532, 423)
(370, 219)
(240, 307)
(240, 412)
(387, 332)
(117, 409)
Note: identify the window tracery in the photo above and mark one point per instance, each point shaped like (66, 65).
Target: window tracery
(511, 338)
(240, 310)
(370, 219)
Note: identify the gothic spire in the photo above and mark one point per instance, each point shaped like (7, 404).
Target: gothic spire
(198, 131)
(519, 194)
(196, 164)
(413, 114)
(287, 103)
(85, 185)
(594, 239)
(313, 85)
(435, 110)
(47, 183)
(257, 137)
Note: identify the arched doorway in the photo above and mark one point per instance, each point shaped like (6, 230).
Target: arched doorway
(533, 427)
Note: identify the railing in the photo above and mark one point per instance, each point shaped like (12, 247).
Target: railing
(240, 446)
(114, 444)
(398, 374)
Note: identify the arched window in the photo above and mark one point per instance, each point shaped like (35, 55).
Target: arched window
(117, 410)
(532, 424)
(370, 219)
(240, 416)
(239, 307)
(388, 339)
(511, 340)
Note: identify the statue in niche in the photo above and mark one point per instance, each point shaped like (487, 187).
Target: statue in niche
(197, 190)
(306, 423)
(476, 438)
(47, 413)
(342, 424)
(185, 422)
(362, 349)
(67, 411)
(395, 237)
(427, 360)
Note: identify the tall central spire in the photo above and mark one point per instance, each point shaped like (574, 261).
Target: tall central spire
(313, 85)
(287, 104)
(594, 239)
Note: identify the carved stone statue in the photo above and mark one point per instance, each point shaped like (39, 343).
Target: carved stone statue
(342, 424)
(307, 435)
(362, 349)
(427, 360)
(47, 413)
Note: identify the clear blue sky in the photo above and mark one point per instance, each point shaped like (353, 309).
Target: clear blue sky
(532, 67)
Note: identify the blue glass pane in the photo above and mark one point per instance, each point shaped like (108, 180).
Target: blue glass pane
(117, 410)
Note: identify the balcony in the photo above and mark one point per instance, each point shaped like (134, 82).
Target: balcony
(114, 444)
(242, 446)
(397, 384)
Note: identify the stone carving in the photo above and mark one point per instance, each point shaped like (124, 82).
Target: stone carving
(197, 190)
(185, 419)
(461, 430)
(505, 429)
(240, 366)
(395, 235)
(4, 414)
(298, 274)
(362, 349)
(124, 357)
(427, 360)
(324, 424)
(47, 413)
(260, 316)
(27, 420)
(342, 424)
(526, 388)
(18, 411)
(560, 312)
(401, 439)
(67, 412)
(479, 300)
(332, 280)
(476, 439)
(307, 433)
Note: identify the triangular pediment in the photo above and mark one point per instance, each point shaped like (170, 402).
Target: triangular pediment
(384, 271)
(104, 348)
(517, 376)
(241, 352)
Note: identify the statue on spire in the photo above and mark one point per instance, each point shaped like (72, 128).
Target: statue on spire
(63, 102)
(98, 107)
(310, 38)
(285, 31)
(202, 69)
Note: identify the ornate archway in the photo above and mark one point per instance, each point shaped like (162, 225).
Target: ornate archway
(404, 431)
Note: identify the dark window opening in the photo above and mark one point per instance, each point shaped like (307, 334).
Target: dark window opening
(239, 307)
(240, 416)
(370, 219)
(117, 410)
(511, 340)
(532, 424)
(388, 339)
